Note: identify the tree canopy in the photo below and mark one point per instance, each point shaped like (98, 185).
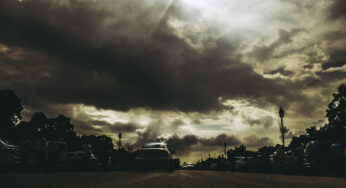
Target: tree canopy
(336, 112)
(10, 112)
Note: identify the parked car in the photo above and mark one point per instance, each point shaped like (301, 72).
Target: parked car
(154, 155)
(188, 166)
(9, 154)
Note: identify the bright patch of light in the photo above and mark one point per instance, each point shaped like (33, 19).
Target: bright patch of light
(93, 113)
(229, 13)
(238, 125)
(204, 20)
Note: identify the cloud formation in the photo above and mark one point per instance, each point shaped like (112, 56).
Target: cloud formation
(181, 145)
(266, 121)
(97, 60)
(254, 141)
(337, 9)
(176, 60)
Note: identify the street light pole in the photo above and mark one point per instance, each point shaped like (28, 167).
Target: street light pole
(282, 114)
(225, 150)
(119, 136)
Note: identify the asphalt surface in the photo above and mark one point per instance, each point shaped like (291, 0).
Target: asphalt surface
(175, 179)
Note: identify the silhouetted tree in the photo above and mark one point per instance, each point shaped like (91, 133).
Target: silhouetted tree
(336, 114)
(10, 113)
(52, 129)
(266, 150)
(313, 133)
(102, 146)
(38, 123)
(240, 151)
(61, 128)
(298, 141)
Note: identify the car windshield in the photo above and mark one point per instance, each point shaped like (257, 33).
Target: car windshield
(154, 145)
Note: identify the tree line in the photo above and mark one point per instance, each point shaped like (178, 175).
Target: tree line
(319, 150)
(14, 129)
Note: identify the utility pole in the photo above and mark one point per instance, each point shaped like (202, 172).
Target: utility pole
(225, 151)
(282, 114)
(119, 144)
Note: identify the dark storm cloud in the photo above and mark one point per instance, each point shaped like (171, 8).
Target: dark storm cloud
(334, 35)
(338, 9)
(220, 140)
(182, 145)
(102, 58)
(46, 26)
(337, 59)
(313, 82)
(332, 76)
(256, 141)
(263, 53)
(266, 121)
(331, 64)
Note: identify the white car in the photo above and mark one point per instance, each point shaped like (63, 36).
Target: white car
(188, 166)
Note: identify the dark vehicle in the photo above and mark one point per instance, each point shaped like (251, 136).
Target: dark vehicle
(154, 155)
(9, 154)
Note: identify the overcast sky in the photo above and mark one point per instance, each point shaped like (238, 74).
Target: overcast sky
(198, 73)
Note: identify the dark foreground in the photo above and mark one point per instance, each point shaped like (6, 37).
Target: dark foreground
(164, 179)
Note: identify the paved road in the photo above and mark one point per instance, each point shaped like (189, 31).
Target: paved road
(176, 179)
